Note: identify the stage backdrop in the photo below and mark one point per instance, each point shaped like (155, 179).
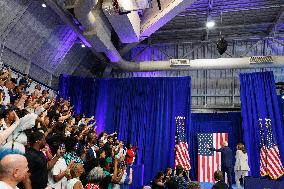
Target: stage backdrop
(259, 100)
(141, 110)
(230, 123)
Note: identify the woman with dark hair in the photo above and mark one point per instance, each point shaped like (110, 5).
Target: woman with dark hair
(241, 165)
(158, 181)
(8, 124)
(8, 117)
(130, 154)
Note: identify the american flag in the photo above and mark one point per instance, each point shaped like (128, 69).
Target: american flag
(181, 147)
(270, 161)
(209, 161)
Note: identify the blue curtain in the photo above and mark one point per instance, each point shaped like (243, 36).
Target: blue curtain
(230, 123)
(141, 110)
(259, 100)
(82, 92)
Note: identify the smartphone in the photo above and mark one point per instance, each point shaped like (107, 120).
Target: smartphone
(61, 146)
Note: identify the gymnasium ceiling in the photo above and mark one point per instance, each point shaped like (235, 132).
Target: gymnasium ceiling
(40, 36)
(235, 19)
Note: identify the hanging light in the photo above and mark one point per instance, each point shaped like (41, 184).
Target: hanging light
(210, 24)
(222, 45)
(43, 5)
(210, 21)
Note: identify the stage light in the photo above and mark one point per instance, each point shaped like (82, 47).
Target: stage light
(43, 5)
(210, 24)
(222, 45)
(83, 46)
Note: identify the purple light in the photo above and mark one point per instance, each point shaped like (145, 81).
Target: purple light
(113, 56)
(64, 46)
(142, 175)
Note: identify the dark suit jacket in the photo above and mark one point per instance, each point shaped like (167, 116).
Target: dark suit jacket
(220, 185)
(226, 157)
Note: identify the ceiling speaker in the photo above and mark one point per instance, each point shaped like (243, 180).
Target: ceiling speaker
(222, 45)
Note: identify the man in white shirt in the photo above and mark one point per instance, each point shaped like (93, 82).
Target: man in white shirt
(13, 169)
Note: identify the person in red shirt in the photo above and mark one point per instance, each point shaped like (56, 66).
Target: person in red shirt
(130, 154)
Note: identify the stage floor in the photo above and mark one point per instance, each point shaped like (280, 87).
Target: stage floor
(205, 185)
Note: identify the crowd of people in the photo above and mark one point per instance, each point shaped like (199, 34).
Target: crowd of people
(45, 146)
(178, 180)
(181, 180)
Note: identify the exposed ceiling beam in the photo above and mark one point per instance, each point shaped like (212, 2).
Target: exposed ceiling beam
(273, 27)
(195, 12)
(68, 20)
(153, 18)
(241, 26)
(187, 40)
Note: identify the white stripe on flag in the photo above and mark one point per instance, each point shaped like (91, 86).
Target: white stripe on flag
(206, 158)
(201, 169)
(218, 154)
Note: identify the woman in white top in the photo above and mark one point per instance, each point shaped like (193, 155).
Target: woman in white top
(241, 166)
(75, 172)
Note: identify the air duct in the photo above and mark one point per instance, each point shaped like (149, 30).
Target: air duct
(96, 28)
(220, 63)
(127, 26)
(97, 32)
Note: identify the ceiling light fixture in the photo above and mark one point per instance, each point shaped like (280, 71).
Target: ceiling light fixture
(210, 24)
(83, 46)
(43, 5)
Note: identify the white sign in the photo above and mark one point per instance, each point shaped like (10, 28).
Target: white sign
(179, 62)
